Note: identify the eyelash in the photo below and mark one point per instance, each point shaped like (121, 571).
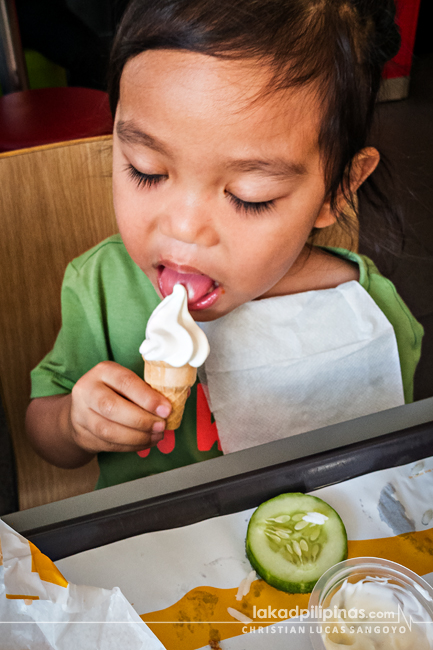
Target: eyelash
(144, 180)
(150, 180)
(249, 206)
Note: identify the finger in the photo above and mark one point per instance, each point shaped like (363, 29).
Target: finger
(113, 407)
(127, 383)
(101, 434)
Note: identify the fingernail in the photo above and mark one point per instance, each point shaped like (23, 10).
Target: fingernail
(163, 411)
(158, 427)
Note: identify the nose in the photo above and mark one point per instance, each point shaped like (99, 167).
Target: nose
(189, 220)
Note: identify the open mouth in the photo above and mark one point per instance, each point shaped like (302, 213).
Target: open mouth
(202, 290)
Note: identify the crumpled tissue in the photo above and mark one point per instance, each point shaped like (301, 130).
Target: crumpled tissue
(289, 364)
(40, 610)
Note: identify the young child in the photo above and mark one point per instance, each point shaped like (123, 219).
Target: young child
(240, 127)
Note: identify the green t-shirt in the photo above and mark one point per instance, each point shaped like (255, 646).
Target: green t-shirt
(106, 303)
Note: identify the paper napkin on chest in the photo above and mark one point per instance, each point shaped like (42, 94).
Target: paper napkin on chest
(289, 364)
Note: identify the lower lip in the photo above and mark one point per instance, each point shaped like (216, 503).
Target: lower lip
(207, 301)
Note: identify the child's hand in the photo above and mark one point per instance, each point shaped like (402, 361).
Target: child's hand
(112, 409)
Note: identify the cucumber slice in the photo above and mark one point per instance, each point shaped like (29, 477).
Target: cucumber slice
(287, 549)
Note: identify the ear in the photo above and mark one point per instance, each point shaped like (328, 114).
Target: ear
(363, 164)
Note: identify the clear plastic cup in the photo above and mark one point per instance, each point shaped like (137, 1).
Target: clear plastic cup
(360, 568)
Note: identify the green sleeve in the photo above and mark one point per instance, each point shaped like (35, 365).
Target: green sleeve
(408, 331)
(80, 345)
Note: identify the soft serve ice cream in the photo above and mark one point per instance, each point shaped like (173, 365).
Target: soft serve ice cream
(172, 335)
(173, 349)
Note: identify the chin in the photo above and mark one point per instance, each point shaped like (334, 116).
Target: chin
(206, 315)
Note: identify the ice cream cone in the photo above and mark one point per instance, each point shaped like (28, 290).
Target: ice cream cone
(173, 383)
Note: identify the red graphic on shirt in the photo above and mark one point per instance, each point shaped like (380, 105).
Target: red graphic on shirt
(166, 445)
(207, 433)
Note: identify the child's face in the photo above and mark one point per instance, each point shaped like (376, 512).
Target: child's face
(211, 187)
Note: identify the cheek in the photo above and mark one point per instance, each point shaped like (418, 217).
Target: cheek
(121, 199)
(128, 209)
(255, 265)
(126, 200)
(270, 249)
(263, 253)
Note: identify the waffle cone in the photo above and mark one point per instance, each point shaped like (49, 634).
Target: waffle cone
(173, 383)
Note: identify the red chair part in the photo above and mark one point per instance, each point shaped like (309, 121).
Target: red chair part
(35, 117)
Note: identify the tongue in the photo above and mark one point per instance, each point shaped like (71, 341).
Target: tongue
(196, 285)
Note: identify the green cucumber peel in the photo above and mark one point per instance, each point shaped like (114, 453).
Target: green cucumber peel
(293, 539)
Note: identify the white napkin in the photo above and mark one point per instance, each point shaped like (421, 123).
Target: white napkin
(40, 610)
(285, 365)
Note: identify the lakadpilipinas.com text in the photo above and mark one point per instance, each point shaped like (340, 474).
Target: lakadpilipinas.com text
(318, 620)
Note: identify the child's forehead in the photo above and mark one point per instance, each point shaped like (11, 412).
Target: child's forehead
(232, 95)
(239, 72)
(240, 85)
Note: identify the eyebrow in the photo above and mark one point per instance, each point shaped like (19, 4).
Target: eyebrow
(130, 134)
(276, 168)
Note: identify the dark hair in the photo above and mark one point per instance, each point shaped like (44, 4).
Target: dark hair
(340, 45)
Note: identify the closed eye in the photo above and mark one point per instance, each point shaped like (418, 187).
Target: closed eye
(144, 180)
(251, 207)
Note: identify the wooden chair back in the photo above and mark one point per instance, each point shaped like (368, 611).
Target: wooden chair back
(55, 203)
